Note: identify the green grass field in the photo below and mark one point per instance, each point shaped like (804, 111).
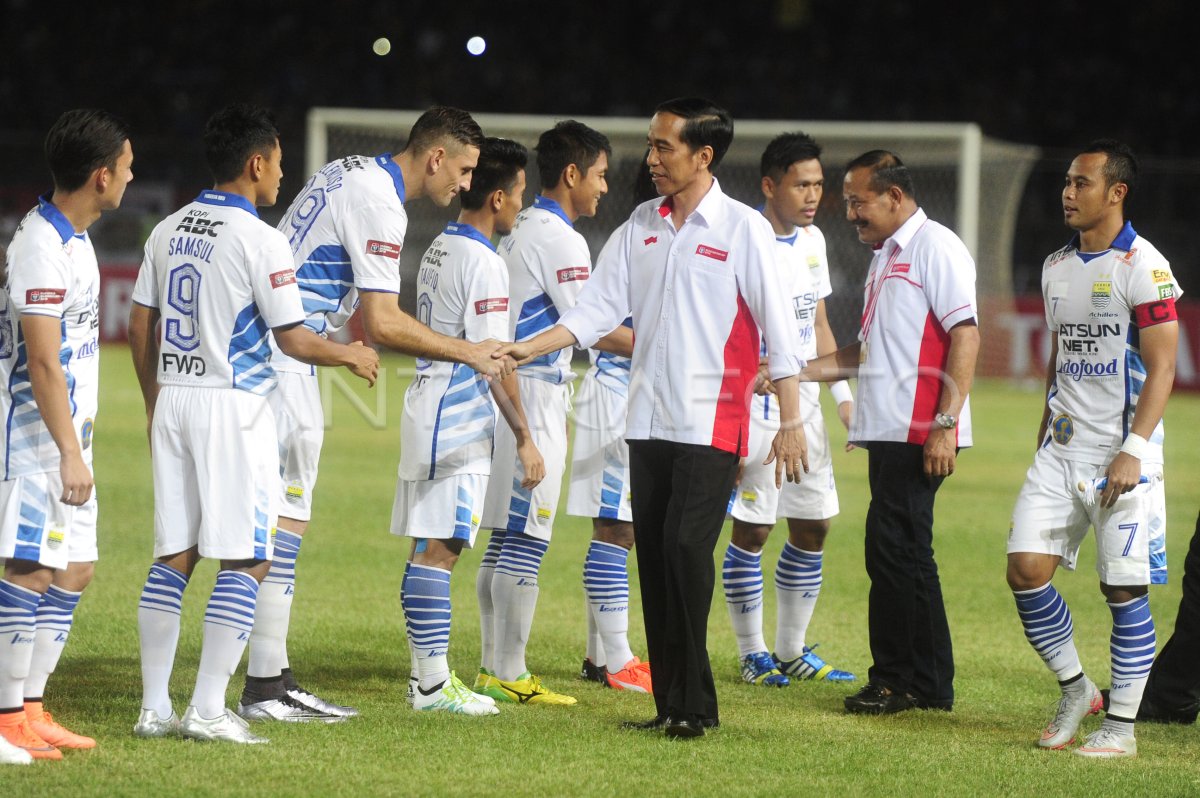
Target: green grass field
(347, 644)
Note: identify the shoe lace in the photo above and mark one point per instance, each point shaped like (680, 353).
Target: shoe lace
(1104, 737)
(762, 662)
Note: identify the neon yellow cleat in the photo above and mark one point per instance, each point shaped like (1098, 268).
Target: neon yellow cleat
(525, 689)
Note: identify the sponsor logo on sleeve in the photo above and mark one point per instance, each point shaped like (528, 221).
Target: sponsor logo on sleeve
(813, 262)
(712, 252)
(1166, 291)
(383, 248)
(1101, 294)
(282, 278)
(492, 305)
(45, 296)
(573, 274)
(1161, 276)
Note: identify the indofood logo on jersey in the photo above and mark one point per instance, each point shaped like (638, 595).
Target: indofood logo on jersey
(1101, 294)
(1083, 369)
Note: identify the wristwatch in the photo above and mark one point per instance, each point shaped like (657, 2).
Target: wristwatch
(945, 421)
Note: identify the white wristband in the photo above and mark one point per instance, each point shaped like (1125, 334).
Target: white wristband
(841, 391)
(1134, 446)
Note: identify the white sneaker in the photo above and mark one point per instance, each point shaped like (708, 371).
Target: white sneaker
(453, 696)
(1073, 707)
(1108, 743)
(226, 726)
(149, 724)
(412, 689)
(13, 755)
(285, 709)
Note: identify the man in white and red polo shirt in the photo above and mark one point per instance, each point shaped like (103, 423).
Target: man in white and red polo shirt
(915, 359)
(696, 270)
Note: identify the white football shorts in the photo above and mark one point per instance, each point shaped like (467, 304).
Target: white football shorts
(300, 423)
(508, 505)
(449, 508)
(36, 526)
(216, 473)
(1053, 514)
(599, 485)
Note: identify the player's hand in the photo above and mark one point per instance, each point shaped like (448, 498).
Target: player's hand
(492, 364)
(76, 480)
(789, 452)
(520, 351)
(364, 362)
(940, 454)
(531, 463)
(762, 381)
(1123, 474)
(741, 472)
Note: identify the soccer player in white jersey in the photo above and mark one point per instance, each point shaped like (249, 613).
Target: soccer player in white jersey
(792, 184)
(49, 370)
(548, 264)
(220, 281)
(450, 420)
(1110, 305)
(599, 490)
(346, 229)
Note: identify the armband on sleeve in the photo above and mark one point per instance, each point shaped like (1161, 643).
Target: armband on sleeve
(1153, 313)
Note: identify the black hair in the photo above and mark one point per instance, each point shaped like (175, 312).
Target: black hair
(785, 150)
(233, 135)
(500, 160)
(887, 170)
(705, 125)
(82, 141)
(441, 125)
(568, 142)
(1121, 166)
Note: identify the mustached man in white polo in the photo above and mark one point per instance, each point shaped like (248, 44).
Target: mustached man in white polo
(915, 361)
(696, 270)
(215, 284)
(1110, 305)
(49, 369)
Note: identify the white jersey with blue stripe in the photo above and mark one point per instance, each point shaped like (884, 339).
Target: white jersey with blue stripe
(1090, 301)
(52, 272)
(346, 229)
(449, 415)
(804, 266)
(222, 279)
(548, 265)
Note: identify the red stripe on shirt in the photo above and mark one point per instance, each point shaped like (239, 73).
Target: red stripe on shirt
(931, 370)
(731, 426)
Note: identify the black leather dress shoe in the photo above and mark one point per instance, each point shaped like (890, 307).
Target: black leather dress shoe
(685, 727)
(654, 724)
(875, 699)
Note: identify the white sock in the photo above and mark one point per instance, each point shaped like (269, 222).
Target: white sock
(158, 629)
(427, 614)
(606, 582)
(515, 594)
(797, 586)
(273, 612)
(741, 575)
(18, 625)
(228, 620)
(54, 616)
(483, 594)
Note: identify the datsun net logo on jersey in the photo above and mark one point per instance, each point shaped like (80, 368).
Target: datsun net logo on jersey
(384, 249)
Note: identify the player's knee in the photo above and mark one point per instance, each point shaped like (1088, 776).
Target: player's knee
(76, 576)
(1027, 572)
(617, 533)
(808, 535)
(1119, 594)
(28, 574)
(749, 537)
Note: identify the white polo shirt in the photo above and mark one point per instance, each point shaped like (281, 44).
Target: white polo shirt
(698, 297)
(921, 284)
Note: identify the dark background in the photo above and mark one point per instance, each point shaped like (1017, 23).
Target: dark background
(1053, 74)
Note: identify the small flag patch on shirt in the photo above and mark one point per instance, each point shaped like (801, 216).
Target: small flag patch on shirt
(282, 278)
(45, 296)
(491, 305)
(385, 248)
(712, 252)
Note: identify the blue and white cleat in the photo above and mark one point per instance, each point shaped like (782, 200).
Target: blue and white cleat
(810, 666)
(759, 668)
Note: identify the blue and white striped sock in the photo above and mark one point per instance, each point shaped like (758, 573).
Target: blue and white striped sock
(228, 619)
(1132, 648)
(158, 629)
(742, 578)
(606, 584)
(483, 594)
(18, 630)
(55, 614)
(514, 598)
(797, 586)
(273, 612)
(426, 602)
(1049, 629)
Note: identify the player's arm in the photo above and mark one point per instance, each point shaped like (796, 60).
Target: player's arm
(301, 343)
(1158, 345)
(827, 344)
(43, 340)
(617, 342)
(508, 398)
(143, 346)
(387, 325)
(1051, 363)
(941, 444)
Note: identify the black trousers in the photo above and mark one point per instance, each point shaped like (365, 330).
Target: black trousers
(910, 638)
(1174, 682)
(679, 495)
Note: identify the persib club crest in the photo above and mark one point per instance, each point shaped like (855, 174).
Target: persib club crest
(1062, 429)
(1101, 294)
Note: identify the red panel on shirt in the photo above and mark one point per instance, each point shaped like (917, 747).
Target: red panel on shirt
(931, 367)
(1153, 313)
(731, 426)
